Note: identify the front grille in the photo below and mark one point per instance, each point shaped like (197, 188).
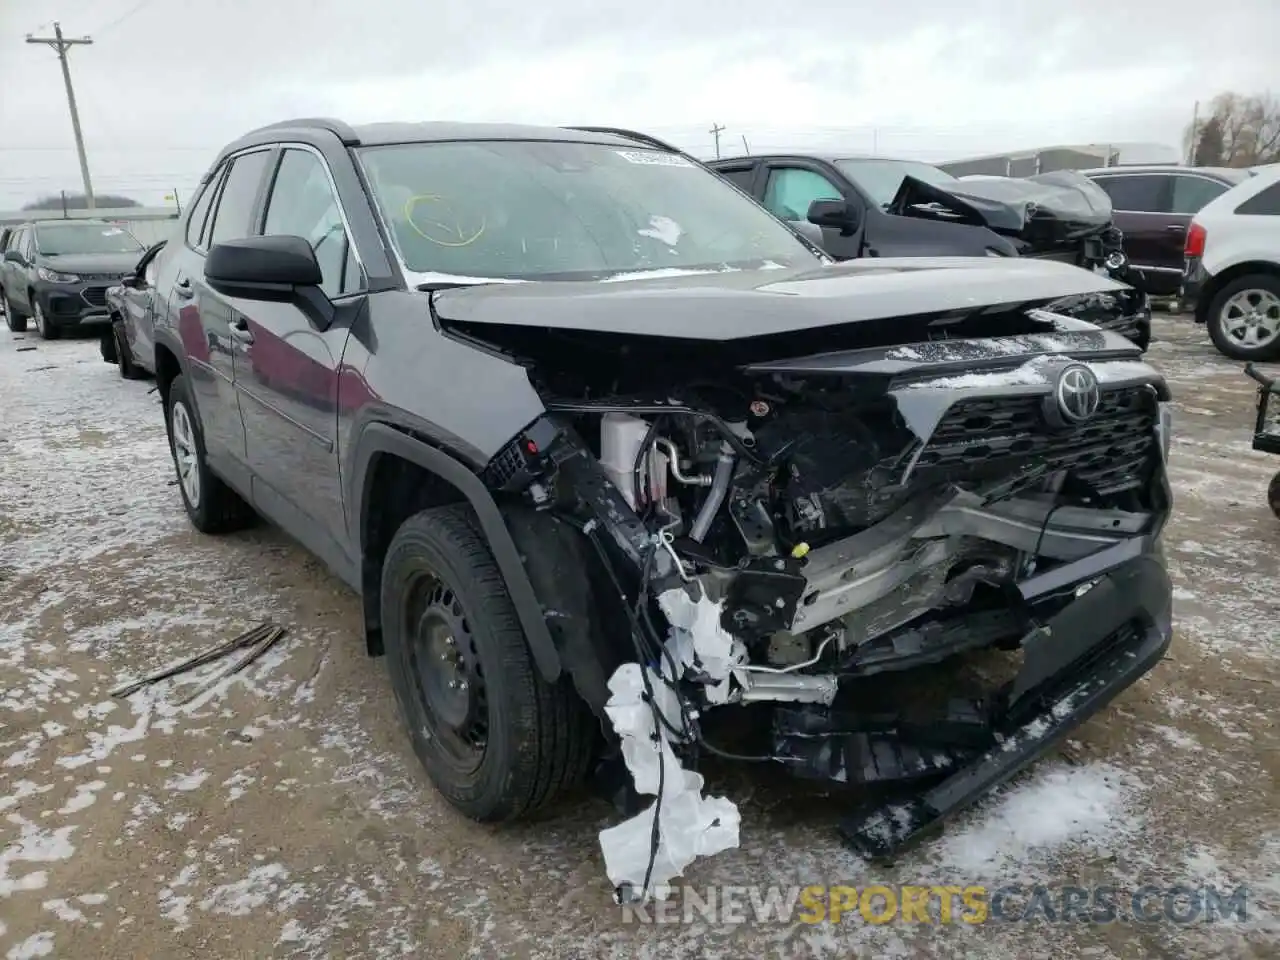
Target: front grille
(95, 296)
(1113, 451)
(101, 277)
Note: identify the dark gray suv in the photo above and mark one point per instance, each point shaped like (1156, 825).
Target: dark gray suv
(584, 425)
(56, 272)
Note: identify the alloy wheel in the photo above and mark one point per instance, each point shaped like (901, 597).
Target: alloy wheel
(185, 453)
(1251, 318)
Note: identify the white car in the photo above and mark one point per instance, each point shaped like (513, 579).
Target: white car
(1232, 269)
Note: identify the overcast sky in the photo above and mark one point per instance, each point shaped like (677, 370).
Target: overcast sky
(167, 82)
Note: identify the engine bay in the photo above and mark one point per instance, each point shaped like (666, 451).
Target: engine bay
(777, 536)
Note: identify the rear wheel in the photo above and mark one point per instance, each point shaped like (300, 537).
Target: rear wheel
(14, 320)
(1244, 318)
(495, 738)
(1273, 495)
(211, 505)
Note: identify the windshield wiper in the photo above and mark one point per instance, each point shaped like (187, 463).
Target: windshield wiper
(434, 286)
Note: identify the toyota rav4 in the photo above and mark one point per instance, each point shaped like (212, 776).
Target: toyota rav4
(617, 460)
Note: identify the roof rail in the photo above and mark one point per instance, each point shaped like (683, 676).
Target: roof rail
(338, 128)
(633, 135)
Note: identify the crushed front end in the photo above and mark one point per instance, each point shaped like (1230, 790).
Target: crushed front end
(834, 539)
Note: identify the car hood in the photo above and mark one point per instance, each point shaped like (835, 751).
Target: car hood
(1045, 211)
(117, 264)
(727, 305)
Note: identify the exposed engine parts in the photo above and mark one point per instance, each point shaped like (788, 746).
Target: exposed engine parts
(780, 537)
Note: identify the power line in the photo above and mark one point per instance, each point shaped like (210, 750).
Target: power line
(62, 44)
(136, 8)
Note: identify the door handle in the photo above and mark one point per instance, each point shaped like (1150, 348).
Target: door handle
(239, 330)
(183, 289)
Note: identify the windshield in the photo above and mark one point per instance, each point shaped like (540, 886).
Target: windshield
(67, 239)
(528, 210)
(880, 179)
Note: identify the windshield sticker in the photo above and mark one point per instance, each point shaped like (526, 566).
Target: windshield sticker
(663, 229)
(112, 232)
(653, 158)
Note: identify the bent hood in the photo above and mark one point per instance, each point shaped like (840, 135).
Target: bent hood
(737, 304)
(1045, 210)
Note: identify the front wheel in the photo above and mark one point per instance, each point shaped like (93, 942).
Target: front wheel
(15, 321)
(211, 505)
(495, 738)
(1273, 495)
(1244, 318)
(46, 330)
(124, 356)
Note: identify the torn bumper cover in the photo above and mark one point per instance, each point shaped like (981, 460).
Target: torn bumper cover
(1074, 664)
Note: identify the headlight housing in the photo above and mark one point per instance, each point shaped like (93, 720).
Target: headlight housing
(53, 276)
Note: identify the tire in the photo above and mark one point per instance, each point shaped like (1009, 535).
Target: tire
(535, 739)
(15, 321)
(1273, 495)
(1259, 292)
(211, 505)
(107, 346)
(46, 330)
(124, 356)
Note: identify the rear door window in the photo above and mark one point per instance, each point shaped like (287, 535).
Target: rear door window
(1192, 193)
(1265, 204)
(1137, 193)
(200, 212)
(741, 177)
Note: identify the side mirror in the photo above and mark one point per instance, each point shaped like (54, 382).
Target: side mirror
(262, 268)
(839, 214)
(281, 268)
(13, 256)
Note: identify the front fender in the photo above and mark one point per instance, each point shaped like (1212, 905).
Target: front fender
(378, 438)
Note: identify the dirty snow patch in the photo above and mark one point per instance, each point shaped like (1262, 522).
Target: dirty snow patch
(1088, 805)
(36, 945)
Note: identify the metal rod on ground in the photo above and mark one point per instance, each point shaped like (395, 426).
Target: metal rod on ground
(250, 636)
(253, 653)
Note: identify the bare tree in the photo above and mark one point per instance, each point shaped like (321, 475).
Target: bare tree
(1241, 131)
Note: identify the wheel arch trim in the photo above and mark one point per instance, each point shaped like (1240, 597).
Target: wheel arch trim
(379, 438)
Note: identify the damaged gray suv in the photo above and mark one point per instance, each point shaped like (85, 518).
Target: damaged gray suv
(618, 461)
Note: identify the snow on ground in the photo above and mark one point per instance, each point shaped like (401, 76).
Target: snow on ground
(283, 812)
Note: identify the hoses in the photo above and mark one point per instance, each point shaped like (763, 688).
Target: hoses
(716, 495)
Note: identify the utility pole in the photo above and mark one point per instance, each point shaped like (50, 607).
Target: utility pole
(715, 131)
(62, 44)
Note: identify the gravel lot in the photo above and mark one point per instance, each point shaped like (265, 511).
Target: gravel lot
(283, 814)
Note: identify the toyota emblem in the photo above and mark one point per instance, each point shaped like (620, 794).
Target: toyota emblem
(1076, 395)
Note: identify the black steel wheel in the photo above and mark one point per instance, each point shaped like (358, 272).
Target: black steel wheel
(495, 738)
(445, 666)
